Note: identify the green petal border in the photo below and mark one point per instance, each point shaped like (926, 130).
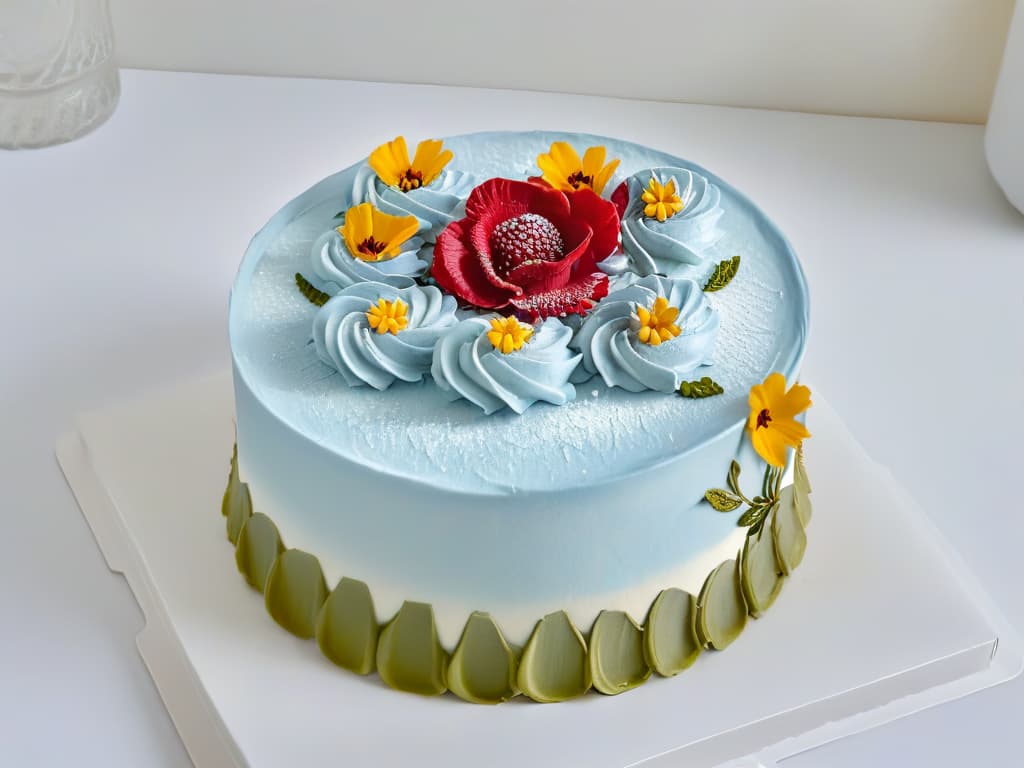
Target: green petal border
(558, 662)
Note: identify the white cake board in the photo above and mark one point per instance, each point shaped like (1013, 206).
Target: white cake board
(881, 620)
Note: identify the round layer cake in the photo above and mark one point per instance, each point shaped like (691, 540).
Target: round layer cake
(432, 402)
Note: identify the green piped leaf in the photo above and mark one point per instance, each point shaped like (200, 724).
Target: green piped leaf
(754, 516)
(759, 573)
(723, 274)
(409, 654)
(259, 544)
(347, 629)
(236, 504)
(616, 653)
(295, 591)
(722, 500)
(670, 637)
(704, 387)
(483, 666)
(788, 533)
(554, 664)
(311, 292)
(721, 612)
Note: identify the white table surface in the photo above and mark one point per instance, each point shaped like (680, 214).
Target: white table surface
(118, 251)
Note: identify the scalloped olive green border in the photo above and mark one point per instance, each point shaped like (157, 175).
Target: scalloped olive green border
(559, 662)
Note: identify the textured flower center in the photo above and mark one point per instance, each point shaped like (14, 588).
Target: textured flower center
(579, 179)
(526, 239)
(372, 247)
(763, 418)
(411, 179)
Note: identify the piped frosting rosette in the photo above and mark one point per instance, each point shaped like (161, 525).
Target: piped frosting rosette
(435, 205)
(469, 363)
(670, 241)
(374, 333)
(611, 337)
(333, 263)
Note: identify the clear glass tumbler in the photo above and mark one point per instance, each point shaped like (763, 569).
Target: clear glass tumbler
(58, 75)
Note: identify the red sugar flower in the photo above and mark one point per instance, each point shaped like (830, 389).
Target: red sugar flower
(529, 247)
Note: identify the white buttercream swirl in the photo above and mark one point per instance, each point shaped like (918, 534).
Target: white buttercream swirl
(345, 341)
(673, 247)
(333, 263)
(466, 365)
(610, 346)
(435, 205)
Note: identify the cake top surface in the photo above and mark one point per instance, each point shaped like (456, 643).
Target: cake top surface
(604, 433)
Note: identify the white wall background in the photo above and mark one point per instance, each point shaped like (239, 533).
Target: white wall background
(922, 59)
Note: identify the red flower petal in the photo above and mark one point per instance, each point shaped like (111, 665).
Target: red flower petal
(499, 193)
(603, 218)
(620, 198)
(458, 270)
(576, 298)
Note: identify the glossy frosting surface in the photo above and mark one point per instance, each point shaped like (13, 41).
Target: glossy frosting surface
(412, 431)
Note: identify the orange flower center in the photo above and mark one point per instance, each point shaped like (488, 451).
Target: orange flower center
(371, 247)
(763, 418)
(577, 179)
(410, 180)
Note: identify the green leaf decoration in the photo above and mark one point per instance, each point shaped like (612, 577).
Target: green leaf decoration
(723, 274)
(259, 544)
(409, 654)
(754, 515)
(616, 653)
(295, 591)
(554, 663)
(347, 629)
(721, 611)
(236, 504)
(788, 533)
(734, 477)
(670, 636)
(759, 572)
(704, 387)
(722, 500)
(483, 666)
(311, 292)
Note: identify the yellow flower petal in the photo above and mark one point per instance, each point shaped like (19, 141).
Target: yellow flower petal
(430, 159)
(390, 161)
(770, 447)
(358, 226)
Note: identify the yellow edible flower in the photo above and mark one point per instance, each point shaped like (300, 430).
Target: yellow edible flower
(507, 334)
(658, 324)
(388, 316)
(662, 200)
(391, 162)
(372, 235)
(772, 423)
(562, 169)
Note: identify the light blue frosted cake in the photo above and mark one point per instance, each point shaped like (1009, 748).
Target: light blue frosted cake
(512, 415)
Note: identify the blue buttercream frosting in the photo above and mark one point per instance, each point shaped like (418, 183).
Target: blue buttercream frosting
(346, 342)
(676, 246)
(611, 348)
(466, 365)
(333, 263)
(435, 205)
